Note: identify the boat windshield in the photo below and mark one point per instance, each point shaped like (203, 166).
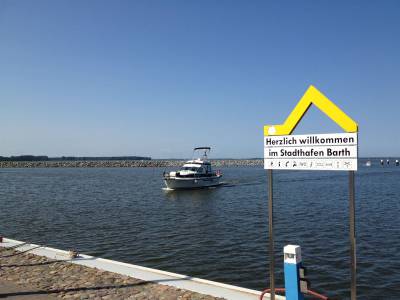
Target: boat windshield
(190, 169)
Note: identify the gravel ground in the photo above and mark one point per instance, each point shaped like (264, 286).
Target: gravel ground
(65, 280)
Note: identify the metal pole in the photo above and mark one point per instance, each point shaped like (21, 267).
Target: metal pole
(352, 236)
(271, 235)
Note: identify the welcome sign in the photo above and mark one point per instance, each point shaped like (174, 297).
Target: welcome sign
(336, 151)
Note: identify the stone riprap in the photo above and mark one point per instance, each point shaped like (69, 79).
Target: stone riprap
(218, 163)
(70, 281)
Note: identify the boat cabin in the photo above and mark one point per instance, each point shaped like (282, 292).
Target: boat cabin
(197, 167)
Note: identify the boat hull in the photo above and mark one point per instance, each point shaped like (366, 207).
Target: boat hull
(180, 183)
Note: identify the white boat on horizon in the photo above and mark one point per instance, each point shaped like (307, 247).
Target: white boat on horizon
(194, 174)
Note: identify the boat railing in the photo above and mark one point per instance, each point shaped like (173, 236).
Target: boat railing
(167, 175)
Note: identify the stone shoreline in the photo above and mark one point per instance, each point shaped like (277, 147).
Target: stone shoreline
(217, 163)
(65, 280)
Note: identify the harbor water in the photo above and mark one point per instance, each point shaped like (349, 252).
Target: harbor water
(221, 233)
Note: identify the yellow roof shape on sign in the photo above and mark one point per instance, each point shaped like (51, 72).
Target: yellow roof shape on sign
(312, 96)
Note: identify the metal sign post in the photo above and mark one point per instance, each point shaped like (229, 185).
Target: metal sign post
(352, 217)
(336, 152)
(271, 234)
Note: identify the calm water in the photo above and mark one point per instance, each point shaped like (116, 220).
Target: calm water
(218, 234)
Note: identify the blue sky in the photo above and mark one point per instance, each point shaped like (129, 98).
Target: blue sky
(158, 78)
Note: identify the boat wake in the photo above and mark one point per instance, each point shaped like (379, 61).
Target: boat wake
(238, 183)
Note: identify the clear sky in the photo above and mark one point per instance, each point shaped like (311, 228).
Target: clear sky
(158, 78)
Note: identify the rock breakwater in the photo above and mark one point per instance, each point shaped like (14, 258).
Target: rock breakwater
(154, 163)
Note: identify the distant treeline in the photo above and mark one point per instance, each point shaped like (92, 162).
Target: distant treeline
(69, 158)
(24, 158)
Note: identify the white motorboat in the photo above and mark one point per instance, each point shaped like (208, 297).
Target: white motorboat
(195, 173)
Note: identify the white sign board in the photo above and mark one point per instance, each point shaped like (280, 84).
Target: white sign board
(337, 151)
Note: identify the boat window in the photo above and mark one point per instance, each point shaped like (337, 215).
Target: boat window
(190, 168)
(200, 170)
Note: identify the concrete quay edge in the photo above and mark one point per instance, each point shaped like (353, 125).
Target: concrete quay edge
(203, 286)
